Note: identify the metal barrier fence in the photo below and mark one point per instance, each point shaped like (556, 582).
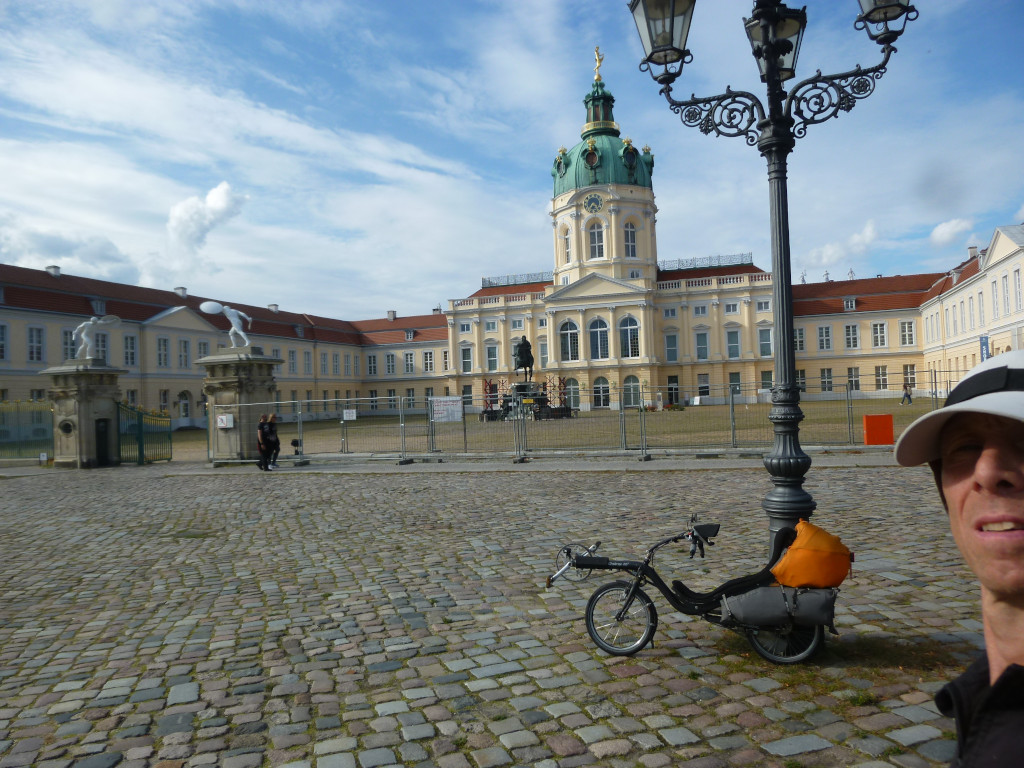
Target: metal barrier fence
(142, 437)
(26, 429)
(622, 422)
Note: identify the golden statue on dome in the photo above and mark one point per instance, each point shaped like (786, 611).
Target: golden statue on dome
(598, 57)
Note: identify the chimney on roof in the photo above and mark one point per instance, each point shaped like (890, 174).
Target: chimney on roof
(879, 274)
(54, 270)
(437, 310)
(182, 291)
(272, 308)
(392, 314)
(972, 251)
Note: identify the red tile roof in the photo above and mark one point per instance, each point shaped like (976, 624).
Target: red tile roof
(694, 274)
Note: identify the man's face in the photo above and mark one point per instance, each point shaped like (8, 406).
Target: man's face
(982, 478)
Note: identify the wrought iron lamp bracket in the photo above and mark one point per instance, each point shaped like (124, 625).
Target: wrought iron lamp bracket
(733, 113)
(822, 97)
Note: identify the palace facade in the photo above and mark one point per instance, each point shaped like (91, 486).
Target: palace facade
(610, 324)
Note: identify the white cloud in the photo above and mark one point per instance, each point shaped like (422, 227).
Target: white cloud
(948, 232)
(191, 220)
(843, 252)
(96, 256)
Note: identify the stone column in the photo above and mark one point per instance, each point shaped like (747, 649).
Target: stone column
(85, 419)
(239, 386)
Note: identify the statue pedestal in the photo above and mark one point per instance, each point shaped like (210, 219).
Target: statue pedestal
(239, 386)
(85, 419)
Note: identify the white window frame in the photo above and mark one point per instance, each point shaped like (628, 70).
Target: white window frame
(851, 335)
(765, 340)
(763, 305)
(824, 338)
(700, 310)
(409, 362)
(730, 333)
(799, 340)
(595, 238)
(671, 348)
(908, 333)
(490, 326)
(880, 335)
(130, 344)
(629, 240)
(428, 361)
(732, 308)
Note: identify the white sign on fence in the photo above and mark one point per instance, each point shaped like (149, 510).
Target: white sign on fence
(446, 408)
(225, 420)
(349, 414)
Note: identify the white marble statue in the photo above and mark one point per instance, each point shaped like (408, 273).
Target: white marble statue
(85, 335)
(234, 316)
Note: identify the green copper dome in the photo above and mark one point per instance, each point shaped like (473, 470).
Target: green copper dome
(601, 157)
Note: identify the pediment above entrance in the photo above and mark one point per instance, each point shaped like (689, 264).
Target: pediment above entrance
(595, 287)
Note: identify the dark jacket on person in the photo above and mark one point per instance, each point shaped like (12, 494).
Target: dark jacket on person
(989, 718)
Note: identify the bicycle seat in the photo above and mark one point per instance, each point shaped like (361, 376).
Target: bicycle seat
(740, 584)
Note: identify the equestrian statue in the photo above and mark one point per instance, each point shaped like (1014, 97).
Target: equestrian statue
(523, 354)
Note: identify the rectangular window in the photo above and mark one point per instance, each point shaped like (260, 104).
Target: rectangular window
(184, 359)
(703, 384)
(37, 394)
(131, 344)
(355, 365)
(734, 383)
(963, 321)
(981, 309)
(467, 359)
(798, 340)
(492, 357)
(629, 240)
(826, 379)
(669, 312)
(67, 339)
(849, 305)
(445, 361)
(907, 333)
(490, 326)
(596, 237)
(542, 323)
(1006, 295)
(824, 338)
(202, 349)
(701, 310)
(293, 365)
(371, 365)
(801, 380)
(970, 311)
(323, 364)
(881, 377)
(517, 325)
(764, 342)
(165, 400)
(853, 378)
(732, 344)
(764, 305)
(276, 353)
(467, 394)
(852, 334)
(766, 379)
(879, 335)
(336, 363)
(428, 392)
(428, 362)
(732, 307)
(409, 362)
(3, 342)
(410, 397)
(995, 301)
(1018, 296)
(373, 399)
(671, 348)
(102, 344)
(543, 354)
(702, 345)
(348, 363)
(307, 362)
(392, 399)
(910, 374)
(163, 353)
(389, 364)
(131, 396)
(463, 327)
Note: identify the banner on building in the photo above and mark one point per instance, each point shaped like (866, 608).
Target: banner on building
(985, 354)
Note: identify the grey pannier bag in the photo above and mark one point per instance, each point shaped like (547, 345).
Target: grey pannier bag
(774, 606)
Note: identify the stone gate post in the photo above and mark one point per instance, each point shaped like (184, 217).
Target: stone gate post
(85, 419)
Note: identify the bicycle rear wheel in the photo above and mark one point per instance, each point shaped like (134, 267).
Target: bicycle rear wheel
(786, 645)
(626, 635)
(564, 552)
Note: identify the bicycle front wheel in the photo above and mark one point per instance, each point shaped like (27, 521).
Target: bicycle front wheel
(786, 645)
(565, 552)
(625, 634)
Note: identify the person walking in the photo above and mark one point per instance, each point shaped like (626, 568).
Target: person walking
(263, 442)
(907, 399)
(974, 445)
(274, 441)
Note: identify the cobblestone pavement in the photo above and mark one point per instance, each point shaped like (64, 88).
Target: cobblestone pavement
(174, 616)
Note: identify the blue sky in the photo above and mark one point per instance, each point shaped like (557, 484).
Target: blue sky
(346, 159)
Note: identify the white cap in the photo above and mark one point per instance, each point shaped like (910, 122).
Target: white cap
(996, 387)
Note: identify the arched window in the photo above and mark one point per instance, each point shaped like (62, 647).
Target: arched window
(629, 337)
(566, 247)
(598, 340)
(629, 235)
(631, 392)
(569, 340)
(602, 396)
(572, 393)
(596, 234)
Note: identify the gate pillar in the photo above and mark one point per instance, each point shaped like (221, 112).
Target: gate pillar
(236, 378)
(85, 397)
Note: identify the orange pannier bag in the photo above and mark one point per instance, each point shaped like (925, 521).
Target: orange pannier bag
(815, 559)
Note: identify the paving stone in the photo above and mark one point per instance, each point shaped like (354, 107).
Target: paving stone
(490, 756)
(797, 745)
(914, 735)
(337, 760)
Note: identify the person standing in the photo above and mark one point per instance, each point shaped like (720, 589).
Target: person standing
(275, 441)
(974, 445)
(907, 399)
(263, 442)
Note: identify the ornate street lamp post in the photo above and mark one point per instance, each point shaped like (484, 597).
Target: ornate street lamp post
(775, 32)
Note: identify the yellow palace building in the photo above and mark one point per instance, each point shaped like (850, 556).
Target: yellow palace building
(609, 324)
